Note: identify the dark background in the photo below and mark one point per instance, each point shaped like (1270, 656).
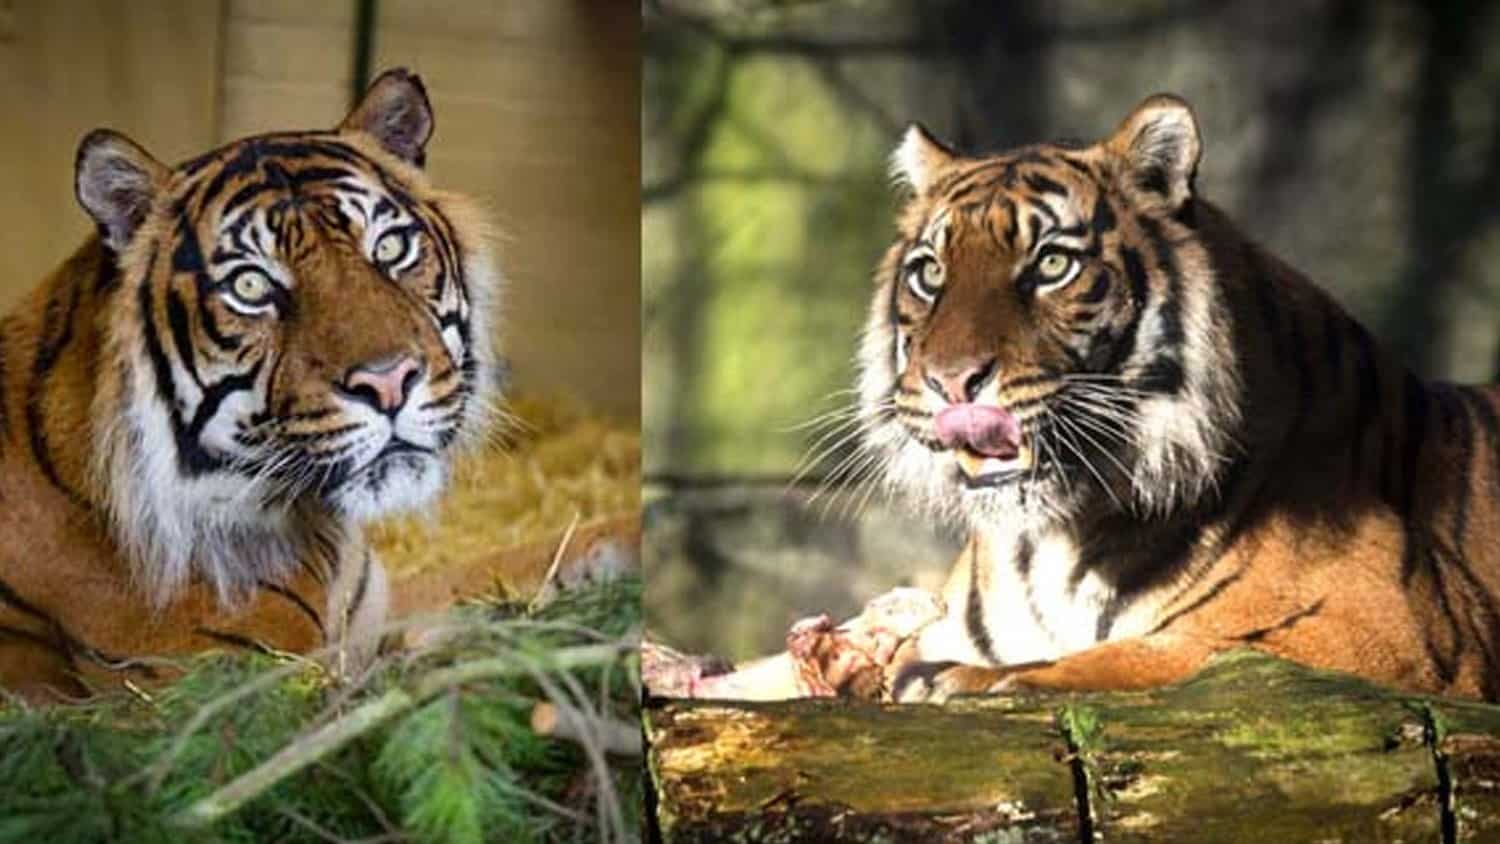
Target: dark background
(1360, 141)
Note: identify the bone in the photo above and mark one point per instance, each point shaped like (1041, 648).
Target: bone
(854, 659)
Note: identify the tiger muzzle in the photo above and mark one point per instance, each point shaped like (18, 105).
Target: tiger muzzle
(986, 440)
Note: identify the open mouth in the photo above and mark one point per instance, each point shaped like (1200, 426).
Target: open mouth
(981, 470)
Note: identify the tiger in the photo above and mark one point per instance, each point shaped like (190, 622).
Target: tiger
(1161, 441)
(256, 352)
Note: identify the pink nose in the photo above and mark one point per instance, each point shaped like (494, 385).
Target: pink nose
(982, 429)
(384, 383)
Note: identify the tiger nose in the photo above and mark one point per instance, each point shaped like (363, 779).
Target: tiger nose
(961, 383)
(385, 383)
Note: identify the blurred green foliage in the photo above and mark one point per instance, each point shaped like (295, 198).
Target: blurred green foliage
(760, 238)
(462, 765)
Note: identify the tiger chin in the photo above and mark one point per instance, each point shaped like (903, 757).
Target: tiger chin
(1163, 442)
(261, 349)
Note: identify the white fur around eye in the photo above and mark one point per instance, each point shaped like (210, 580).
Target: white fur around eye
(924, 275)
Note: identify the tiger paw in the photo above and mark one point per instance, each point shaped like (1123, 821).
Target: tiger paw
(936, 682)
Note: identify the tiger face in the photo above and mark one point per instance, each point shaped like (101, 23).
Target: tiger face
(1045, 334)
(301, 336)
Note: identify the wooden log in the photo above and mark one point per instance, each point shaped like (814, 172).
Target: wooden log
(1252, 749)
(1468, 744)
(828, 770)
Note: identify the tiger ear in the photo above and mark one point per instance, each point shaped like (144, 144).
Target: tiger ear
(1160, 145)
(919, 158)
(395, 112)
(116, 182)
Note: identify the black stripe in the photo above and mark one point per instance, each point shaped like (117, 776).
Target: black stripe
(1461, 438)
(1103, 219)
(1290, 621)
(1042, 184)
(38, 639)
(245, 194)
(1107, 616)
(74, 645)
(211, 327)
(1417, 554)
(974, 624)
(57, 333)
(364, 583)
(1164, 374)
(251, 151)
(298, 600)
(1013, 221)
(1077, 165)
(971, 176)
(182, 334)
(1135, 273)
(1045, 210)
(959, 196)
(192, 458)
(1201, 601)
(1166, 263)
(233, 639)
(1416, 406)
(1484, 412)
(107, 274)
(1263, 286)
(307, 175)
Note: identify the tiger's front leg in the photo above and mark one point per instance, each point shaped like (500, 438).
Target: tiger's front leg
(359, 604)
(1126, 664)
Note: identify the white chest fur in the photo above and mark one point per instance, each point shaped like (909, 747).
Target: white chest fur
(1031, 604)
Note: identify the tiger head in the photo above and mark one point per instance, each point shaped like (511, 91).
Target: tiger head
(1046, 335)
(298, 339)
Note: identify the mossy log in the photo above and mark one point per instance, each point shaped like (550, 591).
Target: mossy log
(1252, 749)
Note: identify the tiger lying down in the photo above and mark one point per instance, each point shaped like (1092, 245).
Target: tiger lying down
(261, 349)
(1163, 443)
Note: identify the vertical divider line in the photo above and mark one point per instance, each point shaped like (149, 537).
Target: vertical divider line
(364, 41)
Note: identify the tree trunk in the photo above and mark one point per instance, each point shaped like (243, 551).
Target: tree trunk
(1253, 749)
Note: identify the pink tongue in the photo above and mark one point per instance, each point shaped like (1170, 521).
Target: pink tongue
(982, 429)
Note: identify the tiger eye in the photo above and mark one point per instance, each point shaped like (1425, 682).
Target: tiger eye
(251, 286)
(932, 275)
(1054, 265)
(389, 247)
